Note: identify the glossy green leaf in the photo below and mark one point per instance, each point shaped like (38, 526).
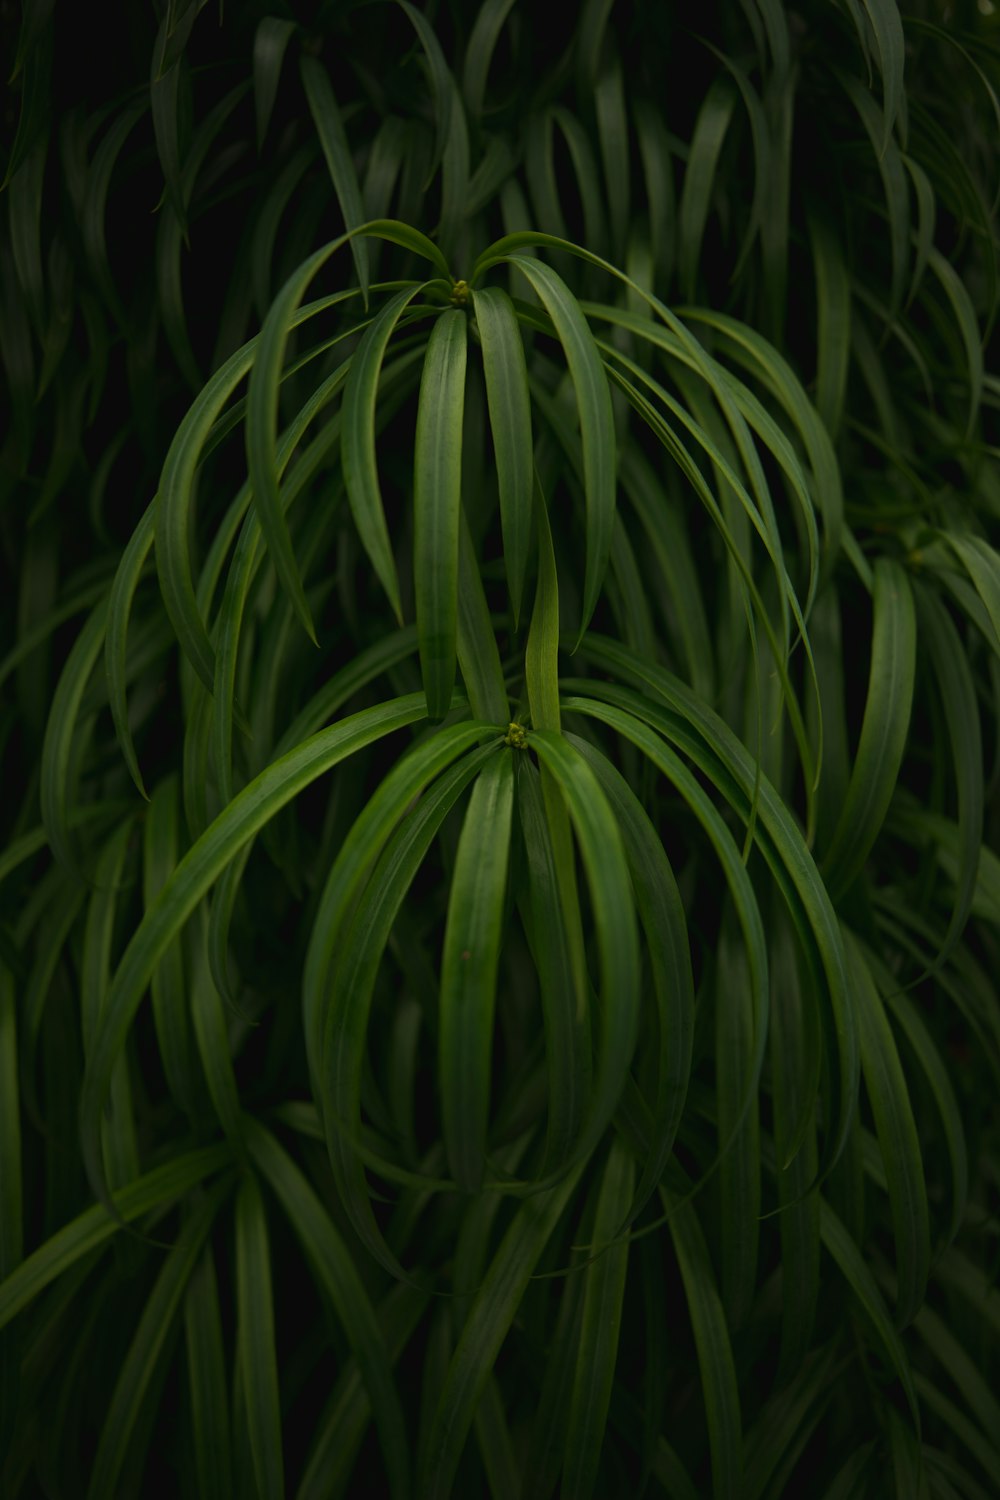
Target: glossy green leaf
(437, 498)
(469, 969)
(330, 129)
(593, 400)
(510, 421)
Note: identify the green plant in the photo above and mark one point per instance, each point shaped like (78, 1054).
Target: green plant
(499, 931)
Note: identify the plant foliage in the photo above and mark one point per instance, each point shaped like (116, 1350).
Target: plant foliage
(499, 913)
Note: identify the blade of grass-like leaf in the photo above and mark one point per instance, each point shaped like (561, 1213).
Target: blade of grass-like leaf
(207, 1382)
(662, 916)
(588, 41)
(330, 129)
(898, 1141)
(92, 211)
(715, 1357)
(614, 916)
(541, 657)
(212, 1037)
(437, 489)
(833, 334)
(167, 986)
(472, 938)
(118, 1127)
(883, 731)
(894, 183)
(667, 535)
(60, 732)
(563, 995)
(926, 218)
(597, 1352)
(255, 1338)
(138, 1370)
(935, 1071)
(597, 430)
(612, 134)
(442, 83)
(709, 134)
(478, 656)
(487, 1325)
(888, 31)
(510, 420)
(90, 1229)
(454, 183)
(763, 361)
(658, 177)
(25, 205)
(194, 876)
(968, 327)
(982, 564)
(479, 53)
(334, 1270)
(358, 442)
(269, 46)
(165, 108)
(849, 1258)
(119, 609)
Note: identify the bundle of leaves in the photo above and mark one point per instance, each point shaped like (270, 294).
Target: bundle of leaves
(499, 921)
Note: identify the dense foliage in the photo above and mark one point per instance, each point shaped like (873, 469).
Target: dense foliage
(499, 918)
